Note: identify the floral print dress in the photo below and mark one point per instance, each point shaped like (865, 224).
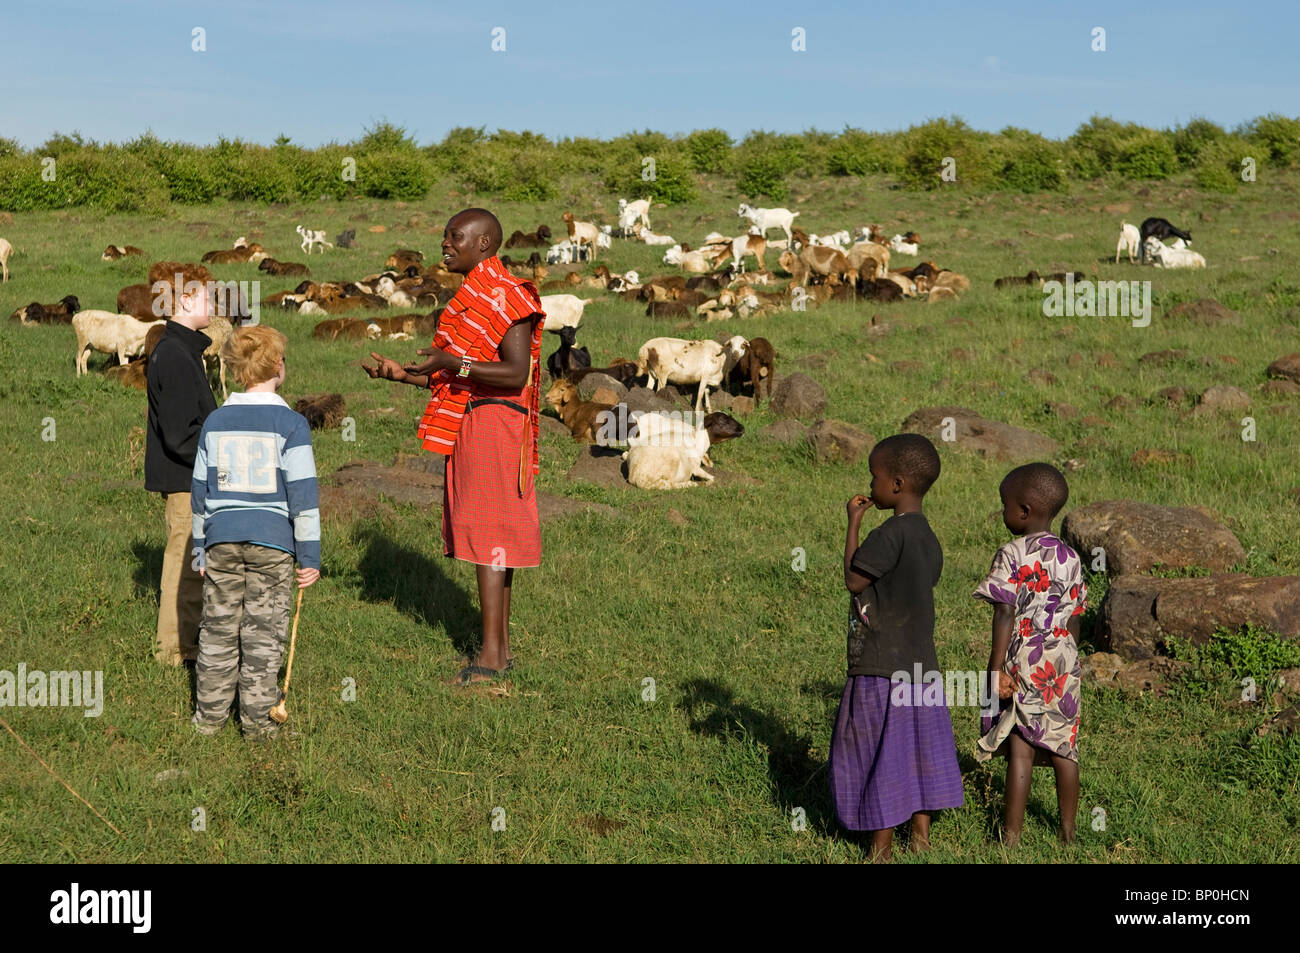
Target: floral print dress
(1042, 578)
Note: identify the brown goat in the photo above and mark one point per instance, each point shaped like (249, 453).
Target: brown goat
(580, 416)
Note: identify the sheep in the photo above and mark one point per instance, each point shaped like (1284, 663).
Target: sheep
(630, 213)
(695, 262)
(623, 371)
(346, 237)
(566, 357)
(279, 268)
(671, 464)
(218, 330)
(311, 238)
(951, 279)
(138, 300)
(5, 251)
(831, 263)
(880, 289)
(582, 417)
(859, 254)
(650, 238)
(60, 312)
(582, 233)
(1129, 237)
(940, 293)
(236, 256)
(119, 334)
(756, 365)
(403, 258)
(529, 239)
(677, 361)
(1166, 256)
(135, 373)
(765, 218)
(114, 252)
(1159, 229)
(563, 311)
(1032, 279)
(908, 244)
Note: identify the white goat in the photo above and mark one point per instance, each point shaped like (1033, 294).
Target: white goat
(765, 218)
(902, 246)
(563, 311)
(110, 333)
(5, 251)
(1129, 237)
(311, 238)
(1168, 256)
(650, 238)
(677, 361)
(695, 262)
(567, 253)
(630, 213)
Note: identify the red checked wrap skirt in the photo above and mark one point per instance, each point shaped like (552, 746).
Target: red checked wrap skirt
(485, 519)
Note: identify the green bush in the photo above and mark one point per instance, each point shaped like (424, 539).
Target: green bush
(1229, 657)
(763, 176)
(533, 175)
(708, 149)
(114, 182)
(927, 146)
(855, 152)
(1031, 164)
(404, 175)
(21, 187)
(1146, 156)
(668, 180)
(1278, 136)
(1191, 140)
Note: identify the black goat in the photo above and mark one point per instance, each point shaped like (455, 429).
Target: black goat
(1161, 229)
(566, 357)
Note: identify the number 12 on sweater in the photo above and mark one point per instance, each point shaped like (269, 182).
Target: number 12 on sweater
(246, 463)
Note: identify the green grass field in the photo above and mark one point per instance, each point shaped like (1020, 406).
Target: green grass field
(747, 655)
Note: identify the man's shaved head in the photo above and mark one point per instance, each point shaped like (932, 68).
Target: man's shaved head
(481, 222)
(471, 237)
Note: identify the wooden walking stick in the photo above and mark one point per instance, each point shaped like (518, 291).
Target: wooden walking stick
(279, 713)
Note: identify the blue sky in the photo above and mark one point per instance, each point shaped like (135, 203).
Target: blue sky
(325, 70)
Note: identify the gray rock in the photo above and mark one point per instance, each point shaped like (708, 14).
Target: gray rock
(1287, 367)
(988, 438)
(587, 386)
(798, 395)
(1137, 537)
(835, 441)
(1140, 612)
(786, 431)
(1221, 397)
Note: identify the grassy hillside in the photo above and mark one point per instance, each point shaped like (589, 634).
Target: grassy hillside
(747, 654)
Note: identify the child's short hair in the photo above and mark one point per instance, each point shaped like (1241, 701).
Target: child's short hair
(1040, 484)
(909, 455)
(254, 353)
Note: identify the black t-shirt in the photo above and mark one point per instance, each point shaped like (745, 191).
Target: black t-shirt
(904, 556)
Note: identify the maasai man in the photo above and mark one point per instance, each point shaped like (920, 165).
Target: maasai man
(484, 372)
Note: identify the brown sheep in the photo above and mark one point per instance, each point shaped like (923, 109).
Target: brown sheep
(530, 239)
(403, 258)
(1032, 278)
(282, 268)
(235, 256)
(756, 365)
(582, 417)
(60, 312)
(138, 301)
(114, 252)
(830, 263)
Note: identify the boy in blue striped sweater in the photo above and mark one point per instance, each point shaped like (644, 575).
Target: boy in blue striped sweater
(254, 504)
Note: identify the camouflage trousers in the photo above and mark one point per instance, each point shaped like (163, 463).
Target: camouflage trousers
(242, 634)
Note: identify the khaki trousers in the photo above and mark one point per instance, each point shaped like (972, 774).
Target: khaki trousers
(181, 600)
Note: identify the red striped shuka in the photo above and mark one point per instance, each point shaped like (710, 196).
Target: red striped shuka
(489, 503)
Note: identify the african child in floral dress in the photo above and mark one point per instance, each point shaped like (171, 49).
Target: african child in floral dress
(1037, 590)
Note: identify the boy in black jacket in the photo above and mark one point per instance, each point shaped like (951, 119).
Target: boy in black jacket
(179, 401)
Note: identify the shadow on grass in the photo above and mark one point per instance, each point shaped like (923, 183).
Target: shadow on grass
(989, 781)
(797, 780)
(417, 586)
(147, 576)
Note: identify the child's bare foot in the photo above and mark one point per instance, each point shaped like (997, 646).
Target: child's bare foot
(1011, 838)
(1067, 835)
(919, 845)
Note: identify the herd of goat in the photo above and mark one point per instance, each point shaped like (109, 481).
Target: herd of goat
(712, 281)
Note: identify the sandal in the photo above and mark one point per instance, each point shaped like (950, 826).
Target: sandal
(466, 675)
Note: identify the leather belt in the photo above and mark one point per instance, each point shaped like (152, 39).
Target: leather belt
(497, 400)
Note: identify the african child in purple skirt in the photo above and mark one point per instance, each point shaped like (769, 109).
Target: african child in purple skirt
(892, 762)
(1043, 579)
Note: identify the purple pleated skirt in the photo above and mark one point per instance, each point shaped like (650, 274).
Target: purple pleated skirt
(888, 762)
